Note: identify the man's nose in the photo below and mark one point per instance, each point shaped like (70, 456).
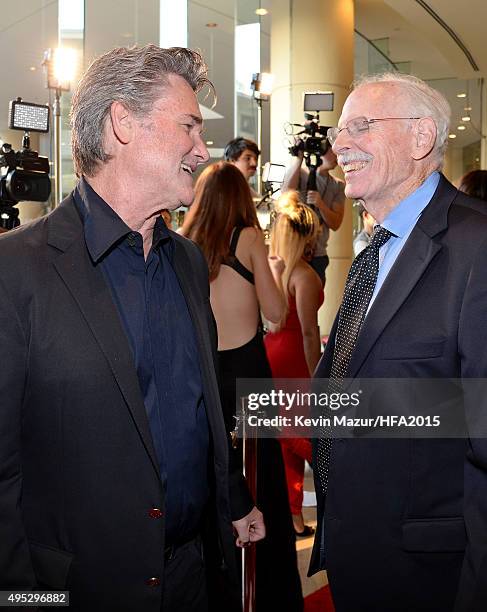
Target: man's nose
(201, 150)
(342, 142)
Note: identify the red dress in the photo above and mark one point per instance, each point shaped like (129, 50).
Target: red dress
(285, 352)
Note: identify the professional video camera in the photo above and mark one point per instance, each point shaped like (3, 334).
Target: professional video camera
(312, 140)
(24, 174)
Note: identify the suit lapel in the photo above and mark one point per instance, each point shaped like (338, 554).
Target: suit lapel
(409, 267)
(406, 272)
(92, 295)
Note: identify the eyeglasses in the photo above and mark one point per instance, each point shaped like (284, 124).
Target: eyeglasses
(359, 126)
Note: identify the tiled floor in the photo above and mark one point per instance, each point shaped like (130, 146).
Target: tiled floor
(304, 545)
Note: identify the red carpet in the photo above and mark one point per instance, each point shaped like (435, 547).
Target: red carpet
(319, 601)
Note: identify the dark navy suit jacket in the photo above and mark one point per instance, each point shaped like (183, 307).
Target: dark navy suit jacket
(404, 527)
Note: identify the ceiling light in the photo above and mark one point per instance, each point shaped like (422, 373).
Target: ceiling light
(210, 142)
(467, 108)
(261, 11)
(211, 24)
(466, 118)
(461, 95)
(461, 127)
(32, 68)
(452, 136)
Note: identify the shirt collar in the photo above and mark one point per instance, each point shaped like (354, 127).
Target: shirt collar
(161, 233)
(103, 228)
(404, 216)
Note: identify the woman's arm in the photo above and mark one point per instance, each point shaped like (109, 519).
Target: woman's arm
(307, 288)
(267, 276)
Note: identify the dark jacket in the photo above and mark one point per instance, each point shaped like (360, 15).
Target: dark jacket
(78, 471)
(405, 521)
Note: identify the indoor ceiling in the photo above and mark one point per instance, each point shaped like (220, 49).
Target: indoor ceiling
(414, 36)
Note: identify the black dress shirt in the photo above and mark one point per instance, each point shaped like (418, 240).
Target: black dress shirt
(155, 317)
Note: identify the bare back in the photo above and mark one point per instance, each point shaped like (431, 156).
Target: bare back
(235, 301)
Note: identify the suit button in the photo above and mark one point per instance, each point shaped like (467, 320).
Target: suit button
(155, 513)
(153, 582)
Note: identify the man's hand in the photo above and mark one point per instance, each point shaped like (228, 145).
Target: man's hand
(313, 197)
(250, 528)
(297, 150)
(332, 217)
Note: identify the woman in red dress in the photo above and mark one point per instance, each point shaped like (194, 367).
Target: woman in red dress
(293, 346)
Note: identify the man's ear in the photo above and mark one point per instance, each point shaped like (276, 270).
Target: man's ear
(424, 137)
(122, 121)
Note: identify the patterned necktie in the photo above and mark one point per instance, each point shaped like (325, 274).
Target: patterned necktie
(358, 292)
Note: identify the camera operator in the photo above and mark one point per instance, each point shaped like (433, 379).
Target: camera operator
(328, 200)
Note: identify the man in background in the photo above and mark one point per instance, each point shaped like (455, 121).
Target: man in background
(362, 239)
(244, 154)
(113, 452)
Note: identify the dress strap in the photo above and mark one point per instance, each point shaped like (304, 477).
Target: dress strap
(234, 241)
(233, 262)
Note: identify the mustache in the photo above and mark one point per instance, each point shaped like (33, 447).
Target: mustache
(349, 156)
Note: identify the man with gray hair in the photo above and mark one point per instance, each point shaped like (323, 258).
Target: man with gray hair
(114, 460)
(402, 523)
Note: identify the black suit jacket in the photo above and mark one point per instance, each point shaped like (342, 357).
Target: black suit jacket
(405, 521)
(78, 471)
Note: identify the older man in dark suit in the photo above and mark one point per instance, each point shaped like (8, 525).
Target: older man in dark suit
(403, 522)
(113, 451)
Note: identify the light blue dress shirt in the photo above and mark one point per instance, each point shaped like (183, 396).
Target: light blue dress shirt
(401, 221)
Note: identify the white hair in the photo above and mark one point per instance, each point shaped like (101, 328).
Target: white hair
(422, 100)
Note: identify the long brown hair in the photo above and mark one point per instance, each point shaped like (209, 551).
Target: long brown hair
(222, 201)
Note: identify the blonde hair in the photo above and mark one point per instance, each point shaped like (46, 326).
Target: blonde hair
(296, 226)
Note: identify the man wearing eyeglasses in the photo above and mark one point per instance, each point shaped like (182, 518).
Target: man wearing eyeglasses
(402, 522)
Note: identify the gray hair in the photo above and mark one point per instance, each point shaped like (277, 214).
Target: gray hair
(422, 100)
(133, 76)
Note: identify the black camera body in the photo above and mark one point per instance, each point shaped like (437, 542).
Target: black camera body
(24, 174)
(313, 139)
(26, 178)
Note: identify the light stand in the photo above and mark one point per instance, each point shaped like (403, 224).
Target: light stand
(59, 66)
(272, 179)
(261, 90)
